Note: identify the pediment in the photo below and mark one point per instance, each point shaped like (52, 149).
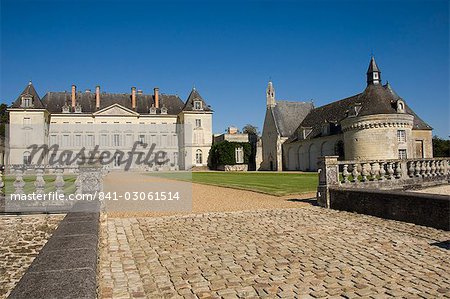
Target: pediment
(116, 110)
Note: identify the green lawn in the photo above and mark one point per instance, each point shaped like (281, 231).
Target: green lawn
(273, 183)
(69, 186)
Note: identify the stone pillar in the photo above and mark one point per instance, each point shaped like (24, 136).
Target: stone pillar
(328, 177)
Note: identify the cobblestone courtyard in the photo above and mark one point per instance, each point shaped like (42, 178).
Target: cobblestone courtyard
(286, 253)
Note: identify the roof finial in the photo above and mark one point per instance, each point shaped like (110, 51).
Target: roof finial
(193, 86)
(30, 83)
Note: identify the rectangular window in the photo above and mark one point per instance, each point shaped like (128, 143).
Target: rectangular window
(77, 140)
(197, 105)
(402, 154)
(53, 140)
(26, 121)
(116, 140)
(239, 152)
(401, 136)
(141, 139)
(65, 140)
(90, 140)
(104, 140)
(198, 123)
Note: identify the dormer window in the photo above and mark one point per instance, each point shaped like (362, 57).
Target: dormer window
(65, 108)
(78, 108)
(400, 106)
(163, 110)
(27, 102)
(198, 105)
(304, 132)
(354, 110)
(152, 110)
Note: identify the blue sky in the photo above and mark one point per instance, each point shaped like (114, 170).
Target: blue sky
(316, 50)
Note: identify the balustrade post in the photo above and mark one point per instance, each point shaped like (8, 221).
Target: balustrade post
(345, 174)
(428, 168)
(417, 169)
(411, 169)
(328, 177)
(390, 171)
(399, 169)
(364, 172)
(374, 170)
(382, 172)
(355, 173)
(19, 183)
(59, 181)
(433, 168)
(439, 168)
(423, 169)
(2, 184)
(40, 182)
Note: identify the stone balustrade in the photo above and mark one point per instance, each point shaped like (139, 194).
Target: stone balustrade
(380, 174)
(88, 180)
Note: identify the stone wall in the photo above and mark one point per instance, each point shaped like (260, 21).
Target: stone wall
(426, 137)
(67, 265)
(419, 208)
(236, 167)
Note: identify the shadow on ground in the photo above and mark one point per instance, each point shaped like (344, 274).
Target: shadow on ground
(311, 201)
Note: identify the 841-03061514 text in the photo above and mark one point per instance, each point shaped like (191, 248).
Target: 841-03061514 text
(153, 195)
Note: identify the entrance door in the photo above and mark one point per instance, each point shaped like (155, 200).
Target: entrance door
(419, 148)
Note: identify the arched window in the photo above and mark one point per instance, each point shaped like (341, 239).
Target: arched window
(199, 157)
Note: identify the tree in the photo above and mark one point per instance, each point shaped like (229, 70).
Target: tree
(441, 147)
(3, 119)
(250, 129)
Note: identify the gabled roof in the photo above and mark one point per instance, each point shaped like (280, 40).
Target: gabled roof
(375, 99)
(195, 95)
(54, 101)
(30, 91)
(288, 116)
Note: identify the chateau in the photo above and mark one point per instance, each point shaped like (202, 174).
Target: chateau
(374, 124)
(114, 122)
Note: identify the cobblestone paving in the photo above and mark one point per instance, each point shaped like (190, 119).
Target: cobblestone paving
(285, 253)
(21, 239)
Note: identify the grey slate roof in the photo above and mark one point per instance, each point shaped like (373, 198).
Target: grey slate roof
(288, 116)
(375, 99)
(54, 101)
(29, 90)
(195, 95)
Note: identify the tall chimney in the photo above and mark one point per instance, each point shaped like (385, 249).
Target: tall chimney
(97, 97)
(156, 94)
(74, 95)
(133, 97)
